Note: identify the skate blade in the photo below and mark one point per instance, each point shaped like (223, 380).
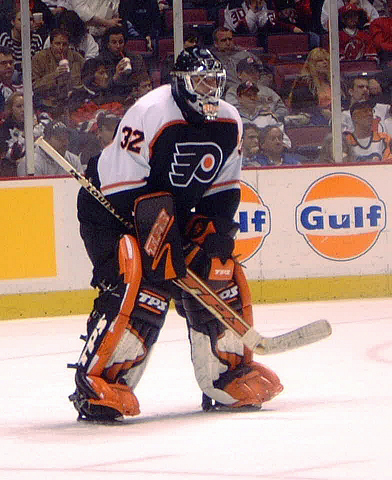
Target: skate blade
(226, 408)
(101, 421)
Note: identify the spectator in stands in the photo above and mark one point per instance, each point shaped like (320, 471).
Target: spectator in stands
(48, 22)
(298, 13)
(99, 15)
(366, 145)
(326, 152)
(381, 6)
(7, 71)
(293, 16)
(122, 64)
(12, 134)
(94, 95)
(273, 151)
(141, 84)
(380, 86)
(365, 5)
(250, 71)
(288, 16)
(250, 145)
(245, 17)
(376, 89)
(58, 6)
(79, 39)
(13, 40)
(311, 91)
(106, 126)
(251, 111)
(52, 79)
(358, 91)
(100, 135)
(4, 163)
(191, 38)
(381, 34)
(41, 27)
(229, 54)
(145, 18)
(354, 43)
(7, 7)
(57, 134)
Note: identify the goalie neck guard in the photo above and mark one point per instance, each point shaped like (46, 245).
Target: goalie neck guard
(198, 82)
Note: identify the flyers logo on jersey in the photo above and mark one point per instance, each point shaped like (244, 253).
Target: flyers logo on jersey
(199, 161)
(341, 216)
(255, 223)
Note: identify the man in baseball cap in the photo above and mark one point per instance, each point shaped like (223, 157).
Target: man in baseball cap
(249, 70)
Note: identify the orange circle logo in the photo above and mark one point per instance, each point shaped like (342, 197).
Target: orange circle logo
(207, 162)
(255, 223)
(341, 216)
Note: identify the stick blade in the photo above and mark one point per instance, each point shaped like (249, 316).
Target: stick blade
(311, 333)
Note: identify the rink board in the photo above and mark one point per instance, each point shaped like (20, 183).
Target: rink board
(306, 233)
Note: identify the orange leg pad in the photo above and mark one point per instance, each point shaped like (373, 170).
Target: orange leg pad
(254, 388)
(275, 387)
(114, 395)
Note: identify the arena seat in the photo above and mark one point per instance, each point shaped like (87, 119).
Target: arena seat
(284, 76)
(357, 67)
(190, 16)
(308, 139)
(246, 41)
(288, 45)
(165, 47)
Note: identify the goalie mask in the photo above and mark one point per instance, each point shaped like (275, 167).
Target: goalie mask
(198, 81)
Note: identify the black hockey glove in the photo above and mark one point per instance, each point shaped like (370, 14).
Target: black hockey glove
(209, 238)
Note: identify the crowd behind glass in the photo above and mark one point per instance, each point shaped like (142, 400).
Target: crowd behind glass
(92, 60)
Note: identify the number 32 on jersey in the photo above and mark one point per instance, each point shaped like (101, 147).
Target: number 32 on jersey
(132, 139)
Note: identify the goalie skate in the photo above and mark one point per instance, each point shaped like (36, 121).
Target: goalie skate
(95, 414)
(210, 405)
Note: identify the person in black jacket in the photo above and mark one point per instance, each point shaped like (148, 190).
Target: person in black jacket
(144, 16)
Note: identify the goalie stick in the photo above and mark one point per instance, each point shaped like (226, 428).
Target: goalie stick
(195, 286)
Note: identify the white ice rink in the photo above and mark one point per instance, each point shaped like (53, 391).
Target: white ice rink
(332, 422)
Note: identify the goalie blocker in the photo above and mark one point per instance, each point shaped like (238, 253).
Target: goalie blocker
(131, 308)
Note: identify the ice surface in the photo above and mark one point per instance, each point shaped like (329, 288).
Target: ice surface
(332, 422)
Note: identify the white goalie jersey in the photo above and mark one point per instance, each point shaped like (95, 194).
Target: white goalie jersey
(156, 148)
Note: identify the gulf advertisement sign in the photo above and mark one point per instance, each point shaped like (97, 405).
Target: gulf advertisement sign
(254, 219)
(341, 216)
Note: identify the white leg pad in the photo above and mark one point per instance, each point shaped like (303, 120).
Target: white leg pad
(130, 349)
(208, 367)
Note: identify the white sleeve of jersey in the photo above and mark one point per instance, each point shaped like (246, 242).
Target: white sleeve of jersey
(256, 20)
(347, 123)
(251, 21)
(124, 164)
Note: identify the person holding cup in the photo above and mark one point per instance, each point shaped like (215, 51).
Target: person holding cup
(13, 41)
(41, 26)
(52, 77)
(122, 64)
